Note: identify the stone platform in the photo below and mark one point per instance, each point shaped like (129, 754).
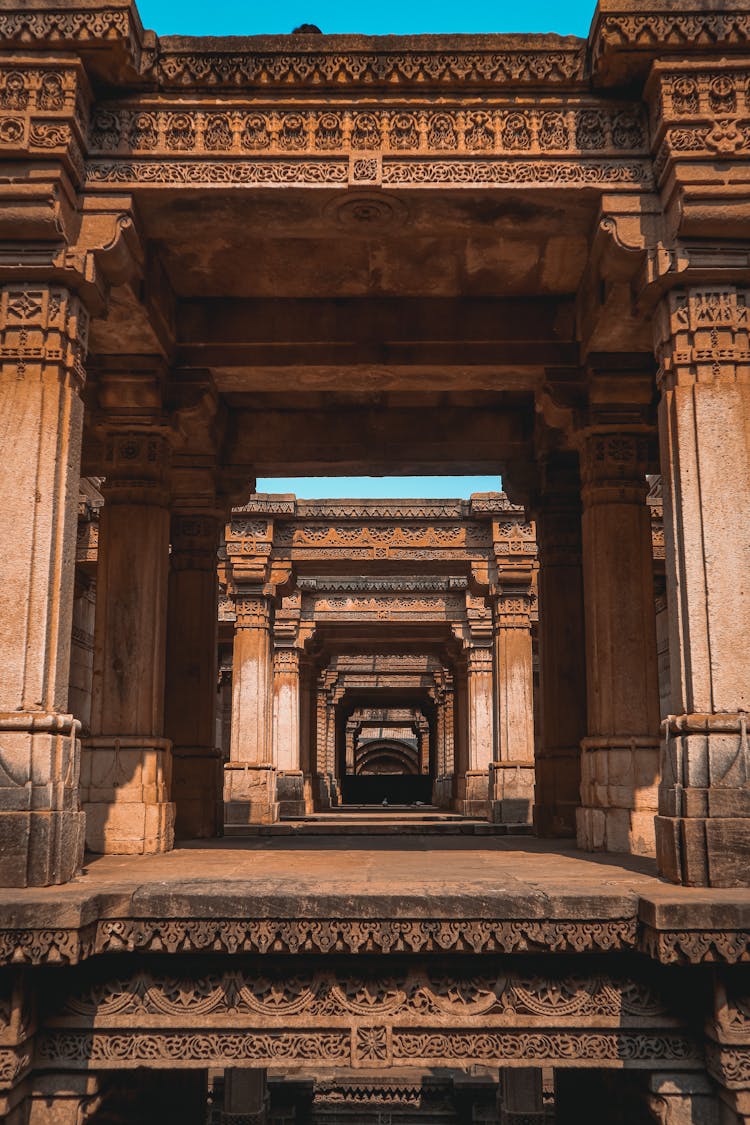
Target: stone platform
(374, 893)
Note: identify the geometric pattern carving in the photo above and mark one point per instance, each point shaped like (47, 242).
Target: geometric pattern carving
(362, 1016)
(377, 935)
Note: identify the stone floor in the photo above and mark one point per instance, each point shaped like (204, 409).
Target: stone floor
(408, 876)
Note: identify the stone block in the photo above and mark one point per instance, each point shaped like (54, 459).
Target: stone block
(728, 851)
(668, 847)
(40, 849)
(290, 792)
(129, 827)
(249, 796)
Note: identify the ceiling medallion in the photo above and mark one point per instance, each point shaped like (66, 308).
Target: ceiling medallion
(366, 212)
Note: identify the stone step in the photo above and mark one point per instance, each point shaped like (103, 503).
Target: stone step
(351, 827)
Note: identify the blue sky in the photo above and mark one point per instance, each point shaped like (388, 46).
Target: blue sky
(359, 488)
(386, 17)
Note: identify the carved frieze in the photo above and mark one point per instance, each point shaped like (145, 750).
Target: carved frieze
(548, 129)
(481, 62)
(364, 1014)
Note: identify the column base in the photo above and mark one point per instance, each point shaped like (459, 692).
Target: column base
(472, 794)
(290, 790)
(511, 793)
(125, 785)
(619, 780)
(442, 792)
(321, 787)
(703, 826)
(683, 1098)
(41, 822)
(196, 792)
(249, 795)
(557, 792)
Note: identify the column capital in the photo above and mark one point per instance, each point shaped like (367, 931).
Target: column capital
(512, 607)
(194, 538)
(614, 465)
(286, 660)
(702, 335)
(42, 325)
(135, 464)
(253, 609)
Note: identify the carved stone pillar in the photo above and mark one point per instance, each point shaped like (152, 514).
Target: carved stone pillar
(681, 1098)
(190, 697)
(250, 774)
(246, 1099)
(473, 785)
(512, 770)
(351, 738)
(562, 652)
(619, 765)
(286, 731)
(63, 1099)
(307, 729)
(521, 1096)
(127, 761)
(322, 781)
(43, 333)
(703, 827)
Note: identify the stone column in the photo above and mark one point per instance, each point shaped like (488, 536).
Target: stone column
(127, 761)
(351, 737)
(191, 673)
(63, 1099)
(682, 1098)
(246, 1100)
(619, 766)
(521, 1099)
(286, 731)
(322, 780)
(250, 775)
(703, 827)
(512, 771)
(562, 652)
(307, 729)
(43, 333)
(473, 786)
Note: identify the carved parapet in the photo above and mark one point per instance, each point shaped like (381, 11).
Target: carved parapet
(625, 39)
(108, 36)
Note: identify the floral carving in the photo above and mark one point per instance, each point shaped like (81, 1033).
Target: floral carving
(553, 131)
(590, 130)
(292, 131)
(255, 133)
(685, 98)
(441, 132)
(143, 131)
(218, 132)
(51, 95)
(14, 94)
(180, 132)
(366, 131)
(403, 131)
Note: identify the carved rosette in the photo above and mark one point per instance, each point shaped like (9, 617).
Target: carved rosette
(702, 336)
(42, 328)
